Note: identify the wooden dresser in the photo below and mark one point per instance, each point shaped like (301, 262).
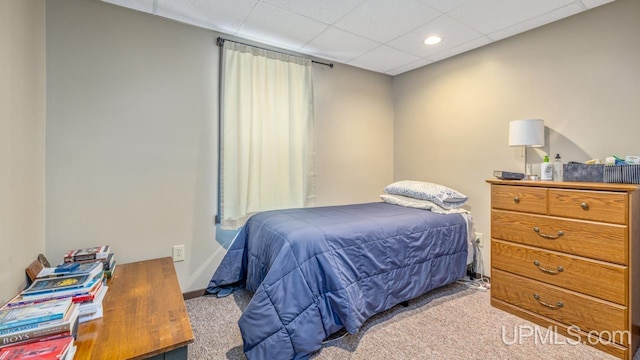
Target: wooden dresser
(565, 255)
(144, 316)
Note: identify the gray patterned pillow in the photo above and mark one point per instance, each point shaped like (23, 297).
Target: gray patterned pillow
(439, 194)
(419, 204)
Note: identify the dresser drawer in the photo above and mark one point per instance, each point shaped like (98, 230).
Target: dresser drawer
(565, 306)
(602, 241)
(596, 278)
(519, 198)
(589, 205)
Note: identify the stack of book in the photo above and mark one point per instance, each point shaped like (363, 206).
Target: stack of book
(101, 254)
(83, 284)
(47, 327)
(56, 349)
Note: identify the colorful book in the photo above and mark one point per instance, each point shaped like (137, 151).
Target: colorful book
(66, 267)
(92, 268)
(31, 314)
(55, 349)
(92, 253)
(63, 283)
(76, 295)
(92, 306)
(106, 262)
(68, 326)
(91, 295)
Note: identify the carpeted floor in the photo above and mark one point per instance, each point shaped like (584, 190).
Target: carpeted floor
(452, 322)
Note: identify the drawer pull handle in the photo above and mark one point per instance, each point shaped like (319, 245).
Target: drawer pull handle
(558, 305)
(516, 200)
(546, 236)
(585, 206)
(552, 272)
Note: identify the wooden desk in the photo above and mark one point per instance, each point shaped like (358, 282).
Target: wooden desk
(144, 316)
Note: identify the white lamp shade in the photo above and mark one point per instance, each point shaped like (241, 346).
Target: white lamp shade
(527, 132)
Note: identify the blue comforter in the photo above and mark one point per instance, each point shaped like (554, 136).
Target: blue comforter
(314, 271)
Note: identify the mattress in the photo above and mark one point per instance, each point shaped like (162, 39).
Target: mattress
(315, 271)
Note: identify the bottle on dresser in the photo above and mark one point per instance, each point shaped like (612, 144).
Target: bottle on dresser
(557, 168)
(546, 169)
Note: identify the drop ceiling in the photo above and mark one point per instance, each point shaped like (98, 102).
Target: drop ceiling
(384, 36)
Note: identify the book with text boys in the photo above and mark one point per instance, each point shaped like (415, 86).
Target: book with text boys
(30, 314)
(67, 326)
(49, 285)
(55, 349)
(92, 253)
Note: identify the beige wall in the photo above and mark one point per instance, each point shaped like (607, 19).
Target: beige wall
(22, 126)
(132, 135)
(580, 75)
(354, 134)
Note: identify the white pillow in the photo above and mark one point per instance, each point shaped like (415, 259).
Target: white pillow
(439, 194)
(419, 204)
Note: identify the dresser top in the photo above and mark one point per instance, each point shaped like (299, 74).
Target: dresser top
(144, 315)
(568, 185)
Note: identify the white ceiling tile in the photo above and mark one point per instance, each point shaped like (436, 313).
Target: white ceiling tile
(140, 5)
(593, 3)
(221, 15)
(408, 67)
(383, 20)
(445, 5)
(379, 35)
(492, 15)
(277, 27)
(326, 11)
(383, 59)
(536, 22)
(460, 49)
(452, 32)
(339, 45)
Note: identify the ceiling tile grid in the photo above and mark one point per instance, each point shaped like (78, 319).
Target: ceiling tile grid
(338, 45)
(488, 16)
(453, 33)
(326, 11)
(226, 16)
(379, 35)
(383, 20)
(383, 59)
(274, 26)
(529, 24)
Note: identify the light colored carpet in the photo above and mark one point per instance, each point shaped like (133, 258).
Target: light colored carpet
(452, 322)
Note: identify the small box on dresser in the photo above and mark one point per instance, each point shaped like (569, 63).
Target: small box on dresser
(565, 254)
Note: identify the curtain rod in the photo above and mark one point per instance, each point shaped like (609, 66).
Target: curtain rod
(221, 41)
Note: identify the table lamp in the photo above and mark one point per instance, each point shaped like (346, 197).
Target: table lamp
(526, 133)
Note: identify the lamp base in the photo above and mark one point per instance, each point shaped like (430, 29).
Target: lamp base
(531, 177)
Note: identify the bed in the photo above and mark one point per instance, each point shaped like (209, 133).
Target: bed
(315, 271)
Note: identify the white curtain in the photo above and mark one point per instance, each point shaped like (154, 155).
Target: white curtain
(267, 133)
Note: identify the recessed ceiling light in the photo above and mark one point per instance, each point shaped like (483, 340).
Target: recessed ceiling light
(432, 40)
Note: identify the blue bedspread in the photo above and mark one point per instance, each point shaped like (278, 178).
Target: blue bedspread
(316, 270)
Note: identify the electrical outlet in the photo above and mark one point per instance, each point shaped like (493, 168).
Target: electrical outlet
(177, 253)
(479, 239)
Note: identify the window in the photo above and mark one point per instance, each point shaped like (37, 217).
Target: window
(266, 132)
